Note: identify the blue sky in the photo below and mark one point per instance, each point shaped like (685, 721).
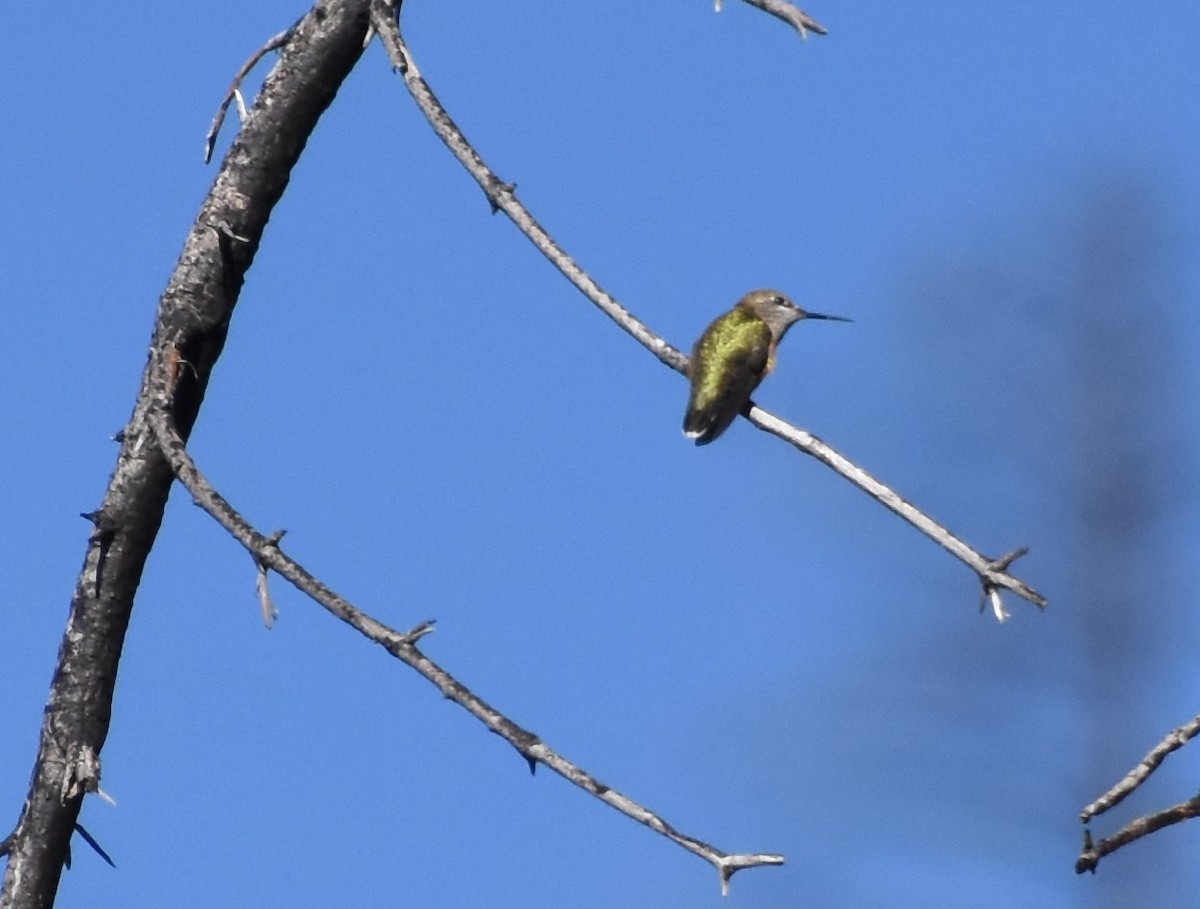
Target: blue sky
(1003, 197)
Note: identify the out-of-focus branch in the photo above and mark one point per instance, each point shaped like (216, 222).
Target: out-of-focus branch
(502, 197)
(265, 551)
(1172, 741)
(1143, 826)
(788, 12)
(1134, 830)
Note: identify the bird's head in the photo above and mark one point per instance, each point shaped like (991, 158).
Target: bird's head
(779, 311)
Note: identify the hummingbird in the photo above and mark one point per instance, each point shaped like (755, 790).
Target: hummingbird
(735, 353)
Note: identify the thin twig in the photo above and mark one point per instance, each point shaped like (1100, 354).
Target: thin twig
(502, 197)
(1090, 857)
(1143, 826)
(234, 91)
(265, 551)
(1172, 741)
(96, 847)
(990, 571)
(262, 587)
(792, 15)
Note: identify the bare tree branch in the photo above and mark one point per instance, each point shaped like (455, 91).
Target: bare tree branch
(190, 332)
(266, 552)
(789, 13)
(1134, 830)
(991, 572)
(193, 317)
(273, 44)
(1142, 826)
(502, 197)
(1172, 741)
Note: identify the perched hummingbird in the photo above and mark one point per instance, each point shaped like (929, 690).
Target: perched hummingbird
(735, 353)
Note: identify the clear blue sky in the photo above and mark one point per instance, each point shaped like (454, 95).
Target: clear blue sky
(731, 635)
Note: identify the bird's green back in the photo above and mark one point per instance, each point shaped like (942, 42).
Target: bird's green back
(727, 364)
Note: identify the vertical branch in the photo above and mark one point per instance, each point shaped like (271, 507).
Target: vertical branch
(193, 313)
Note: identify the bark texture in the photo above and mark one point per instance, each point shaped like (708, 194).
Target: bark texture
(193, 316)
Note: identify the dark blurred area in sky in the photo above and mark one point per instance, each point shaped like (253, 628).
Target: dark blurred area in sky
(964, 757)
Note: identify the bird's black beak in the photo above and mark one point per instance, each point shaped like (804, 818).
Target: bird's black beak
(821, 315)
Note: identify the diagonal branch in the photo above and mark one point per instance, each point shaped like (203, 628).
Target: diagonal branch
(265, 551)
(1142, 826)
(1172, 741)
(789, 13)
(195, 309)
(1090, 857)
(992, 573)
(235, 87)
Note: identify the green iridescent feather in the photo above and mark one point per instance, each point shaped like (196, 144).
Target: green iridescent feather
(728, 362)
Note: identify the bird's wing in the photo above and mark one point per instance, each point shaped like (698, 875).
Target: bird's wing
(722, 386)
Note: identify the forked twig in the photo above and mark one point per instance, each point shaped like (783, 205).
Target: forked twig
(992, 573)
(1142, 826)
(1090, 857)
(266, 552)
